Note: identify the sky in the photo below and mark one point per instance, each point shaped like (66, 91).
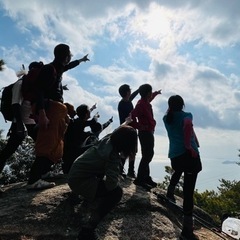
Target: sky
(190, 48)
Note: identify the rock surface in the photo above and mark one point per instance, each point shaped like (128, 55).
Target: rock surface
(55, 214)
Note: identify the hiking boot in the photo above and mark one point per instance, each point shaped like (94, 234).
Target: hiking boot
(131, 174)
(51, 174)
(40, 184)
(142, 184)
(87, 234)
(151, 182)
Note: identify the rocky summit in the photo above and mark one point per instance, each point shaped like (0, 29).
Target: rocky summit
(56, 214)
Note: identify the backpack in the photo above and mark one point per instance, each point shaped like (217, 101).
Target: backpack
(6, 103)
(29, 86)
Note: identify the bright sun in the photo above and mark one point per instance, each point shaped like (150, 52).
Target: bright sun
(154, 24)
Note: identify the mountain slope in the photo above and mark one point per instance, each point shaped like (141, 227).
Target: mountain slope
(55, 214)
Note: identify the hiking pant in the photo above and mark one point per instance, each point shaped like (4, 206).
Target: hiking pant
(175, 178)
(147, 148)
(190, 167)
(14, 141)
(40, 166)
(131, 163)
(49, 141)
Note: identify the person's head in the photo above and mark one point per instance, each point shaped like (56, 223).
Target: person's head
(145, 90)
(124, 90)
(34, 65)
(83, 112)
(124, 140)
(62, 53)
(70, 109)
(175, 103)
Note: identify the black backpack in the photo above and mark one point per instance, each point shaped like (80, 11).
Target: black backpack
(6, 103)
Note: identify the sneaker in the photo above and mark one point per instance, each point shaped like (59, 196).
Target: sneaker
(51, 174)
(131, 174)
(40, 184)
(151, 182)
(142, 184)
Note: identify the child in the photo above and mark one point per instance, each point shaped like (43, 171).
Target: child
(125, 106)
(184, 155)
(76, 136)
(143, 120)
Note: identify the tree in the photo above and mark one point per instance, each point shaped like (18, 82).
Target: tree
(216, 203)
(19, 164)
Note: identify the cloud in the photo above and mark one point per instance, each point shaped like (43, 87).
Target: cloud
(182, 47)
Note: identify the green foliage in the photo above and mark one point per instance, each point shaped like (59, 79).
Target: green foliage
(18, 165)
(216, 203)
(226, 200)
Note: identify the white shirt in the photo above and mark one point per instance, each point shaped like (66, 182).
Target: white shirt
(17, 98)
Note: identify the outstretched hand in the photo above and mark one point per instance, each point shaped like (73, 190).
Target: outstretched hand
(84, 59)
(93, 107)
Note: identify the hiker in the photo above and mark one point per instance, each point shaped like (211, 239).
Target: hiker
(143, 120)
(95, 175)
(125, 106)
(22, 123)
(51, 115)
(184, 156)
(97, 128)
(75, 135)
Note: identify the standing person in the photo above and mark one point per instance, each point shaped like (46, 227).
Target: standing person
(95, 174)
(125, 106)
(52, 116)
(22, 124)
(184, 156)
(143, 120)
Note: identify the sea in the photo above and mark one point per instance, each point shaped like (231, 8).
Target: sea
(208, 179)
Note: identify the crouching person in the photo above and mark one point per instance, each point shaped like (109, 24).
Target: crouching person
(95, 175)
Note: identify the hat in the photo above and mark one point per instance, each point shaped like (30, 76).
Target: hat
(61, 51)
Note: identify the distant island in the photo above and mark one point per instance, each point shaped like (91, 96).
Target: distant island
(229, 162)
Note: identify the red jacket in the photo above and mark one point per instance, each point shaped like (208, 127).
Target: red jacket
(142, 115)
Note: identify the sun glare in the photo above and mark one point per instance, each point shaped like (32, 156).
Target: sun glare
(155, 24)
